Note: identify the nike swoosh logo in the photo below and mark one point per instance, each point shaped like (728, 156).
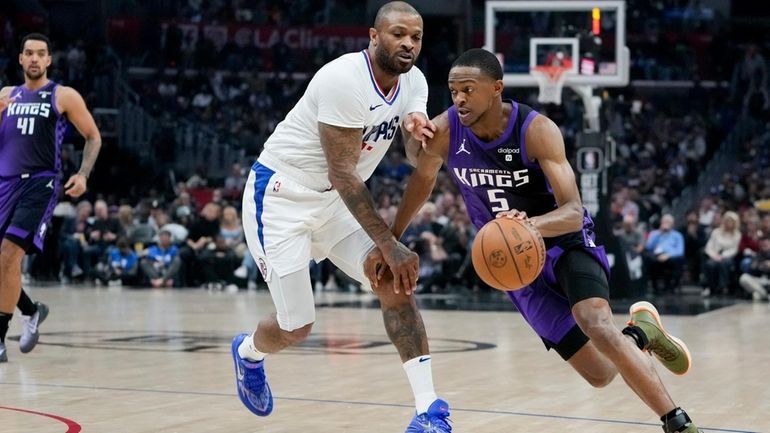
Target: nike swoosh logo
(424, 358)
(240, 372)
(374, 107)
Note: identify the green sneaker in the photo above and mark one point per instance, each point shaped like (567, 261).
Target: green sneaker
(670, 351)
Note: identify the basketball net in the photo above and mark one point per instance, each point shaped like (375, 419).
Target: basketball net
(550, 79)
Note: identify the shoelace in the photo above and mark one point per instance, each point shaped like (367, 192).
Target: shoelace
(252, 378)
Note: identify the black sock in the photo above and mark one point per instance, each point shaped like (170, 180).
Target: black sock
(675, 421)
(638, 335)
(5, 318)
(25, 305)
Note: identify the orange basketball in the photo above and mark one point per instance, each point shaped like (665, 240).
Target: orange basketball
(508, 254)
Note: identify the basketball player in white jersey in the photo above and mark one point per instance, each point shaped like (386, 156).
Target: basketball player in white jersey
(306, 199)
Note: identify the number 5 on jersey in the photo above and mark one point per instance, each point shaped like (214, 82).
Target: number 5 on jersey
(26, 124)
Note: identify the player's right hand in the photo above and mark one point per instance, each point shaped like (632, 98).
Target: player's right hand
(511, 214)
(5, 102)
(375, 267)
(404, 264)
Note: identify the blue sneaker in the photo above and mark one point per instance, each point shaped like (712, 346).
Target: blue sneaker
(251, 382)
(435, 420)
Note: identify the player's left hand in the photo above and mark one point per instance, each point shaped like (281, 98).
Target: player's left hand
(75, 186)
(419, 126)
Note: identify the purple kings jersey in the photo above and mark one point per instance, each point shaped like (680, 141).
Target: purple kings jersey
(31, 133)
(497, 176)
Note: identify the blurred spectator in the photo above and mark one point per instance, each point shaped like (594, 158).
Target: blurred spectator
(235, 182)
(231, 230)
(73, 240)
(120, 266)
(721, 249)
(178, 231)
(101, 233)
(707, 212)
(162, 263)
(694, 241)
(201, 238)
(665, 256)
(632, 242)
(126, 220)
(756, 279)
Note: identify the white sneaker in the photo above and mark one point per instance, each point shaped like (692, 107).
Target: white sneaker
(76, 271)
(241, 272)
(251, 285)
(30, 334)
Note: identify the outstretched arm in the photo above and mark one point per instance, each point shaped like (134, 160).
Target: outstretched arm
(546, 146)
(72, 104)
(429, 156)
(342, 148)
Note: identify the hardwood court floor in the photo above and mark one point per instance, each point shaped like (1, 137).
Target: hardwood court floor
(133, 361)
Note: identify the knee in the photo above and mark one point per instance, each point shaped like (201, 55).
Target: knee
(297, 335)
(598, 326)
(601, 379)
(10, 255)
(388, 298)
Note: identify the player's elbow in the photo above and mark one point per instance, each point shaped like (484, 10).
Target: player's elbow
(339, 178)
(575, 217)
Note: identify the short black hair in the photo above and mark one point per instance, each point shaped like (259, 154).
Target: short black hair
(482, 59)
(396, 6)
(36, 37)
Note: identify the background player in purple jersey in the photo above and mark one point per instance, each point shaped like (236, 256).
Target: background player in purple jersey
(33, 119)
(509, 161)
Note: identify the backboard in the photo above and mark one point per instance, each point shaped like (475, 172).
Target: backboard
(589, 37)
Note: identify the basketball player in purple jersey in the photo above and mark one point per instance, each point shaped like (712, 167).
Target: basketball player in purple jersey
(33, 119)
(509, 161)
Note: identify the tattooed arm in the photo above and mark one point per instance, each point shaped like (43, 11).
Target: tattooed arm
(342, 148)
(70, 102)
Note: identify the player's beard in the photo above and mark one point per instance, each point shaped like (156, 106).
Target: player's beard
(387, 61)
(35, 75)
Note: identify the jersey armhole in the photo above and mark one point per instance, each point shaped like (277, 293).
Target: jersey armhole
(53, 100)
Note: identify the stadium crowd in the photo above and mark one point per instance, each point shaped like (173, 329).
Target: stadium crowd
(189, 234)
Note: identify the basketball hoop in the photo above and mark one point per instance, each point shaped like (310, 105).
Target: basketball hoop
(551, 81)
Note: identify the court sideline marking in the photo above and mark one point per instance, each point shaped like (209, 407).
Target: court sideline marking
(72, 426)
(365, 403)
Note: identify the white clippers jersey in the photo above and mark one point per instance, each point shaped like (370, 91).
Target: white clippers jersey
(343, 93)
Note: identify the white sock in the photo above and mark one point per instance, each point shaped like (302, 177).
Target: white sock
(421, 378)
(248, 352)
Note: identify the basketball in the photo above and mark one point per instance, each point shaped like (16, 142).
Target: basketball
(508, 254)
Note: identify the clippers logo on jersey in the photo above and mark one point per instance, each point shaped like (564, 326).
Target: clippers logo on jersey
(42, 109)
(384, 131)
(474, 177)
